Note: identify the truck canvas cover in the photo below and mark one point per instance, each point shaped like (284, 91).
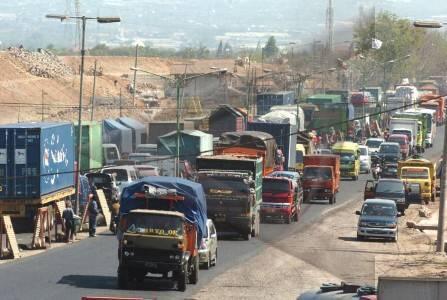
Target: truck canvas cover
(118, 134)
(193, 206)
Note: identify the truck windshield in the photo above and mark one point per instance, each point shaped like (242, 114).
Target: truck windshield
(275, 186)
(346, 156)
(390, 187)
(111, 153)
(120, 174)
(389, 148)
(399, 140)
(224, 185)
(158, 225)
(317, 173)
(415, 173)
(378, 209)
(299, 156)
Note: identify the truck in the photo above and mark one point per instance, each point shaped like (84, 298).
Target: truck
(91, 146)
(139, 131)
(419, 286)
(429, 123)
(321, 177)
(280, 199)
(322, 99)
(162, 224)
(375, 91)
(410, 128)
(329, 116)
(421, 172)
(111, 154)
(118, 134)
(37, 167)
(437, 103)
(349, 153)
(284, 137)
(254, 144)
(233, 189)
(422, 131)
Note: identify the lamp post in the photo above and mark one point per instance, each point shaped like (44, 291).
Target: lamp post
(442, 200)
(84, 20)
(179, 82)
(390, 62)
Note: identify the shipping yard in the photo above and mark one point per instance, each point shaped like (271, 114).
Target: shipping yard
(272, 171)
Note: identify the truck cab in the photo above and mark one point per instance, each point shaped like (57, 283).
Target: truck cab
(281, 199)
(300, 152)
(349, 153)
(419, 172)
(111, 154)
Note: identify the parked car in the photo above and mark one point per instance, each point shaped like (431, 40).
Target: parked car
(387, 188)
(365, 160)
(403, 142)
(373, 144)
(378, 219)
(208, 247)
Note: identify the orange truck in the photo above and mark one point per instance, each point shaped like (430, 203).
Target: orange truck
(251, 144)
(437, 103)
(321, 177)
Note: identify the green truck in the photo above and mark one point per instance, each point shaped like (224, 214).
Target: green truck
(320, 99)
(233, 189)
(332, 115)
(91, 146)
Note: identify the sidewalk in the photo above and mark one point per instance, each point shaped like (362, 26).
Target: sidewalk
(80, 236)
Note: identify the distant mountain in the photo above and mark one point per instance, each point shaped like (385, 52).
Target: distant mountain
(179, 23)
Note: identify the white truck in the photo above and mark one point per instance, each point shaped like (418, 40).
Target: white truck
(408, 127)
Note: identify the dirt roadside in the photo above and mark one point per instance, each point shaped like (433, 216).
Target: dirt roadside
(324, 252)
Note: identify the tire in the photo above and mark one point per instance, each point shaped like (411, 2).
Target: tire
(335, 198)
(247, 236)
(433, 197)
(331, 200)
(288, 220)
(360, 238)
(396, 237)
(182, 280)
(207, 265)
(194, 276)
(214, 262)
(296, 217)
(123, 278)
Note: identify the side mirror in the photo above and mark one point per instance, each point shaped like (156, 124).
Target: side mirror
(213, 236)
(358, 213)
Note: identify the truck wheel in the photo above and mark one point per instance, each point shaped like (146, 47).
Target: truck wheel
(288, 220)
(331, 200)
(123, 277)
(207, 265)
(296, 216)
(194, 277)
(182, 279)
(247, 236)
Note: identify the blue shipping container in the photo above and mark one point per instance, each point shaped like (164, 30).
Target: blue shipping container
(266, 100)
(114, 132)
(139, 131)
(36, 159)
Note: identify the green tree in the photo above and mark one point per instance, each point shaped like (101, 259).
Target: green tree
(270, 48)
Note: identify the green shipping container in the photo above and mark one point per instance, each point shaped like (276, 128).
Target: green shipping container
(91, 141)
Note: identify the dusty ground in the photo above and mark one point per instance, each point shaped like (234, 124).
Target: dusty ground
(318, 254)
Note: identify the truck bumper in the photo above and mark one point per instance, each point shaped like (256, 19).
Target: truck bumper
(348, 173)
(152, 266)
(273, 215)
(318, 194)
(225, 223)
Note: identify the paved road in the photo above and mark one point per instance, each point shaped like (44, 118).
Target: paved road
(89, 267)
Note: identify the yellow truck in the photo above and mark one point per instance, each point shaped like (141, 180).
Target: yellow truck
(419, 173)
(300, 152)
(349, 153)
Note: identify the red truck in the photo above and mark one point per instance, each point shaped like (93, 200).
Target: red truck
(281, 199)
(437, 103)
(404, 144)
(321, 177)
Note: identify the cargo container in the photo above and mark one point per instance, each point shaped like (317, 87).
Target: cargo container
(157, 129)
(266, 100)
(344, 93)
(118, 134)
(332, 115)
(37, 166)
(321, 99)
(226, 118)
(192, 144)
(91, 146)
(284, 136)
(139, 131)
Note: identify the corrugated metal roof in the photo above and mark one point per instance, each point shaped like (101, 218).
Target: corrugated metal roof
(130, 122)
(35, 125)
(187, 132)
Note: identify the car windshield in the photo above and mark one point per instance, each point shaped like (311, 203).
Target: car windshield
(378, 209)
(275, 186)
(373, 143)
(415, 173)
(398, 140)
(119, 174)
(346, 156)
(111, 153)
(224, 185)
(406, 132)
(287, 175)
(317, 173)
(363, 151)
(299, 156)
(151, 224)
(390, 187)
(389, 148)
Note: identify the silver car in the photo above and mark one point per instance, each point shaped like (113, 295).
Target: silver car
(208, 247)
(365, 159)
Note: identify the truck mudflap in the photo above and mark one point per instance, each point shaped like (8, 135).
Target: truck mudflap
(225, 222)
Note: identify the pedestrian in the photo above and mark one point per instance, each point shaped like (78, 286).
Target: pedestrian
(68, 216)
(92, 214)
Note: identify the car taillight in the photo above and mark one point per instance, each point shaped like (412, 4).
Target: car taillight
(203, 245)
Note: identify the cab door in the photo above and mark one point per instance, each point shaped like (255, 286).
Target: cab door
(370, 190)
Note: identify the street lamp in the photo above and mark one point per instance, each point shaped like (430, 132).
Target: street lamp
(389, 62)
(84, 19)
(179, 82)
(443, 188)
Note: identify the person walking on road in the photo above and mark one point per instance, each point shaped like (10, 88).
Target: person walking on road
(93, 212)
(68, 216)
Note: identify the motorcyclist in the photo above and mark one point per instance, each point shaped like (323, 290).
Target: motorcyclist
(115, 215)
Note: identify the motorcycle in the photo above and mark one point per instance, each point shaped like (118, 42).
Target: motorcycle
(376, 170)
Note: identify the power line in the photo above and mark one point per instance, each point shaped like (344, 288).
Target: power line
(167, 157)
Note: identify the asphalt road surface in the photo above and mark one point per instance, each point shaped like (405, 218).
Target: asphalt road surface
(89, 267)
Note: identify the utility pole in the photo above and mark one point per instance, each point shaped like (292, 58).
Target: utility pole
(121, 104)
(135, 75)
(93, 93)
(441, 220)
(43, 95)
